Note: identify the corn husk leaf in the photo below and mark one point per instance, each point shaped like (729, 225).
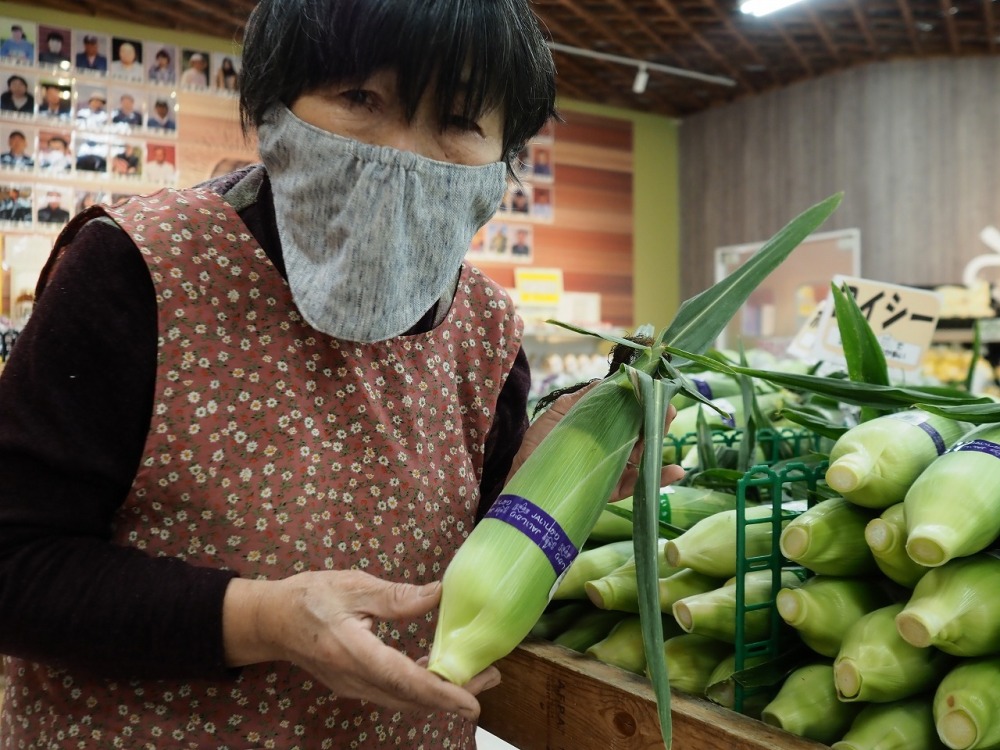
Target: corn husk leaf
(865, 358)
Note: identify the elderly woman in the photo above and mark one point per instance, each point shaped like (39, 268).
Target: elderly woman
(249, 423)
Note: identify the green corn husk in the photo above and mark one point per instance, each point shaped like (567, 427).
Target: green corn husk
(557, 618)
(686, 420)
(829, 539)
(619, 589)
(682, 584)
(721, 687)
(590, 564)
(824, 607)
(679, 506)
(967, 705)
(691, 659)
(876, 665)
(714, 613)
(592, 627)
(709, 547)
(807, 705)
(874, 463)
(900, 725)
(955, 608)
(622, 647)
(936, 531)
(479, 624)
(886, 538)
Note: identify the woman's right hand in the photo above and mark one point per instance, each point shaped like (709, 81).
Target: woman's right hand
(322, 621)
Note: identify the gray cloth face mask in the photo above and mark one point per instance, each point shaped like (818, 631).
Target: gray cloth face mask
(371, 236)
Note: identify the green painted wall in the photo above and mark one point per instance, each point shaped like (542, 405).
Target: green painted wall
(656, 210)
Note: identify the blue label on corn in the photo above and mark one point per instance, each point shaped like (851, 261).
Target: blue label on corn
(538, 526)
(978, 446)
(703, 388)
(919, 419)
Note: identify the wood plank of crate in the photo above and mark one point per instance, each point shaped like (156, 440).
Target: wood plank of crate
(552, 698)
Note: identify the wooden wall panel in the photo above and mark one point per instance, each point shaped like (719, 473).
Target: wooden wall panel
(590, 237)
(913, 144)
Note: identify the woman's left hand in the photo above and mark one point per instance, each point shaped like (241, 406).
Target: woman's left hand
(548, 419)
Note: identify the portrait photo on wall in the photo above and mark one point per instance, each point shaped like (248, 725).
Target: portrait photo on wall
(522, 243)
(520, 199)
(126, 59)
(127, 109)
(92, 107)
(92, 152)
(161, 162)
(54, 99)
(541, 163)
(18, 148)
(17, 40)
(478, 245)
(161, 113)
(161, 63)
(55, 45)
(86, 199)
(522, 164)
(227, 70)
(18, 99)
(543, 203)
(52, 204)
(497, 241)
(15, 203)
(196, 67)
(55, 155)
(127, 159)
(91, 51)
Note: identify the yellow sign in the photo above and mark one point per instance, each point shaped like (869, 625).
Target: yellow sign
(541, 287)
(902, 318)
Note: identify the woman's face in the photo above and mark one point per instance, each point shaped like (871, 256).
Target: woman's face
(17, 87)
(372, 113)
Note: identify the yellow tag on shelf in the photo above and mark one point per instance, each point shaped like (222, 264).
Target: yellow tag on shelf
(539, 286)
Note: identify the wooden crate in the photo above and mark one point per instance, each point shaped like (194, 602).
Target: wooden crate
(552, 698)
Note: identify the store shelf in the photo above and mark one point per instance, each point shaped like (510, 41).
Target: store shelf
(552, 698)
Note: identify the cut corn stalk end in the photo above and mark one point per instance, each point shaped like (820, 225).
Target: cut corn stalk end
(914, 629)
(794, 542)
(848, 679)
(880, 536)
(849, 472)
(958, 729)
(926, 548)
(791, 606)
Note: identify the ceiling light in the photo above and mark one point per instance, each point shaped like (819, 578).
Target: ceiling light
(763, 7)
(641, 79)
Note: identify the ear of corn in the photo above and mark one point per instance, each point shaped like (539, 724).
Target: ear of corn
(714, 612)
(619, 589)
(967, 705)
(556, 619)
(955, 608)
(824, 607)
(590, 564)
(691, 658)
(500, 580)
(709, 547)
(886, 538)
(970, 472)
(900, 725)
(622, 647)
(727, 414)
(682, 584)
(807, 705)
(829, 539)
(679, 506)
(590, 628)
(876, 665)
(874, 463)
(721, 688)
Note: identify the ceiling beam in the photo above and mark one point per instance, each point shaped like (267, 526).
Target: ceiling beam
(726, 20)
(865, 27)
(911, 26)
(991, 35)
(794, 47)
(824, 34)
(949, 25)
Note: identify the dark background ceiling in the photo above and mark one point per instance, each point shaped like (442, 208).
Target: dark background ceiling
(708, 36)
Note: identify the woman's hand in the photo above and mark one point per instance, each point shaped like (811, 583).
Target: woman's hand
(548, 419)
(322, 621)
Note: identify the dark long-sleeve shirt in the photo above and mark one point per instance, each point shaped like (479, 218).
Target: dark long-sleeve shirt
(75, 404)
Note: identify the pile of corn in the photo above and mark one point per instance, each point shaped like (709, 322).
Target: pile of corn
(895, 595)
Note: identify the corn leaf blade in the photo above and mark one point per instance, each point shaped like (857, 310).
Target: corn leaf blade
(655, 397)
(701, 319)
(979, 413)
(865, 358)
(599, 335)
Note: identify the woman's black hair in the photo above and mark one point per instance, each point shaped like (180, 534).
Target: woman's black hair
(483, 54)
